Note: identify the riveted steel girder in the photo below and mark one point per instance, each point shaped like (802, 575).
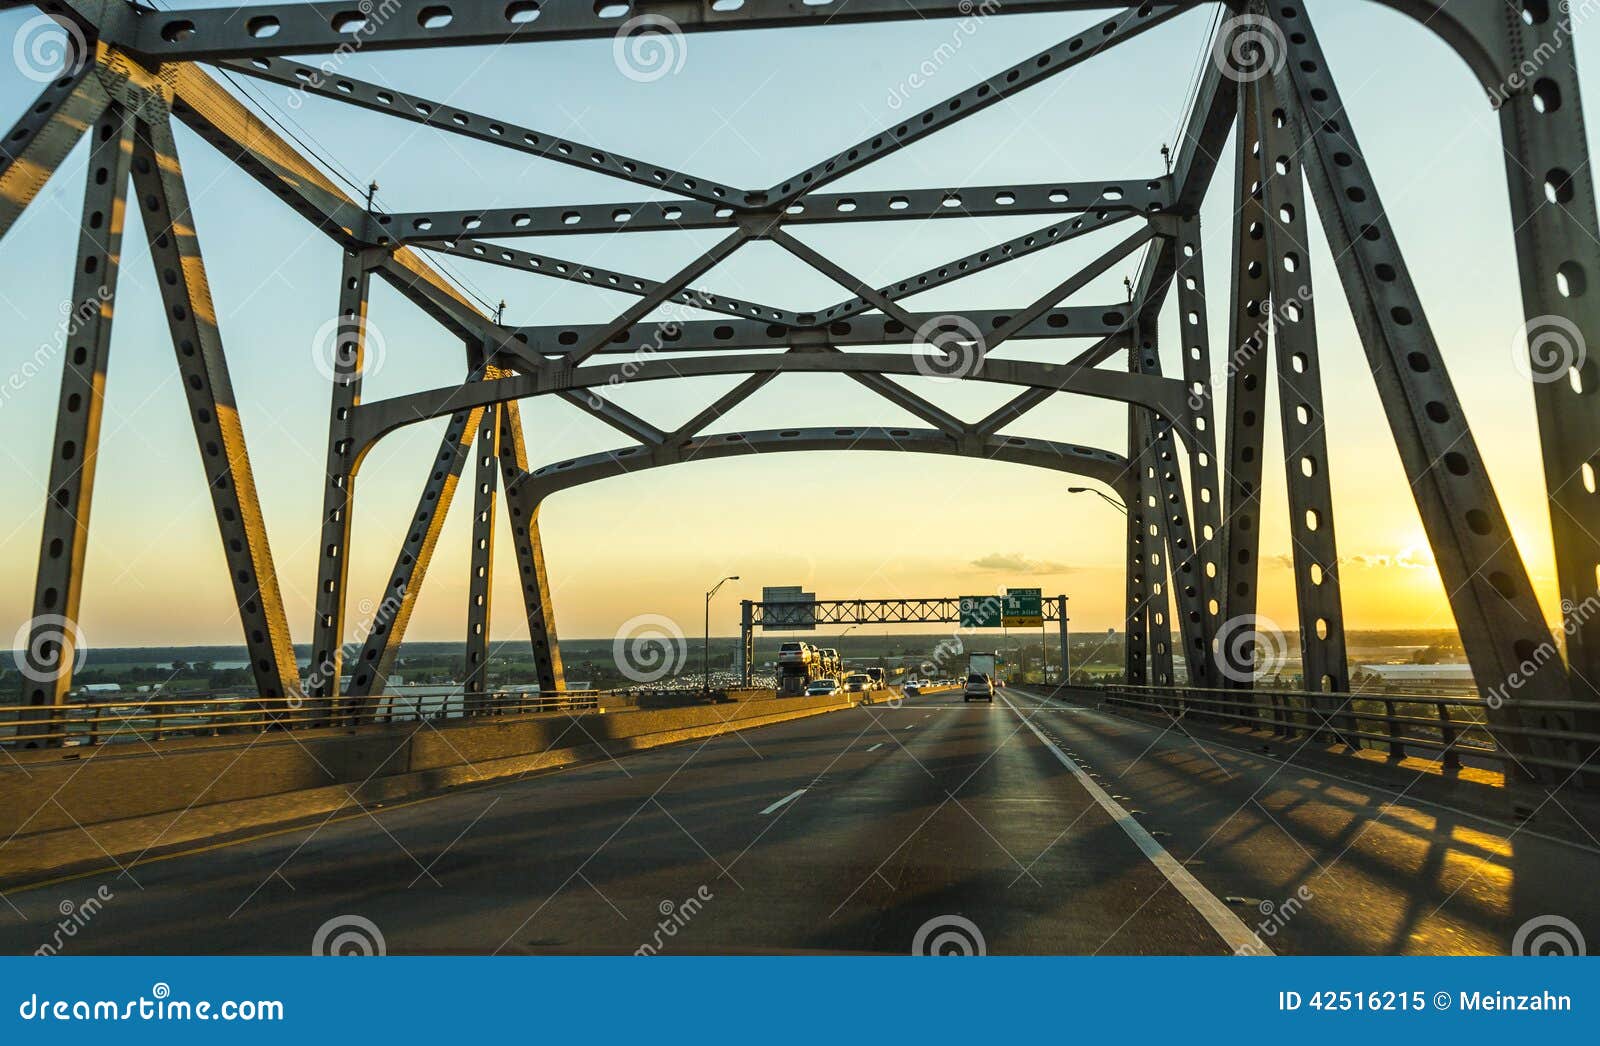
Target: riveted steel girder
(374, 420)
(1307, 469)
(522, 504)
(480, 560)
(43, 136)
(186, 295)
(1488, 587)
(85, 350)
(1102, 465)
(1144, 196)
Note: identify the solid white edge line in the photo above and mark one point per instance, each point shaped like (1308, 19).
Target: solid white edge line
(875, 747)
(1232, 929)
(791, 797)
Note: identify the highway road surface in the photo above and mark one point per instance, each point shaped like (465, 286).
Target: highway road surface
(1029, 826)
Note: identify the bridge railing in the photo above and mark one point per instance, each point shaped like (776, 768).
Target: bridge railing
(89, 723)
(1441, 728)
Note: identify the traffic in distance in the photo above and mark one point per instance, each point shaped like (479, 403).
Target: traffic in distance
(813, 671)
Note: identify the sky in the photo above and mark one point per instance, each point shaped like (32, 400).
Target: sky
(749, 108)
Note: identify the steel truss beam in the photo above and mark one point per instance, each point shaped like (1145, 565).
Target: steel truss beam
(374, 420)
(181, 275)
(424, 228)
(370, 674)
(480, 561)
(1307, 468)
(522, 504)
(44, 135)
(1102, 465)
(312, 79)
(1249, 296)
(1172, 506)
(64, 544)
(668, 336)
(1489, 591)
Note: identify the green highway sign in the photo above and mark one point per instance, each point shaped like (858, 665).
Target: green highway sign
(1023, 608)
(980, 611)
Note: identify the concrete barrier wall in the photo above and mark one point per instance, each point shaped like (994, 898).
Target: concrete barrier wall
(179, 792)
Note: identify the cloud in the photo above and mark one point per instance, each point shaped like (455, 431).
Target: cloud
(1016, 563)
(1405, 559)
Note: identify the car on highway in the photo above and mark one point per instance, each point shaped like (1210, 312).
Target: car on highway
(979, 687)
(911, 688)
(794, 653)
(822, 687)
(857, 683)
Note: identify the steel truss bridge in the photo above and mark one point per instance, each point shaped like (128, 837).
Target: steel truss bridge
(1192, 542)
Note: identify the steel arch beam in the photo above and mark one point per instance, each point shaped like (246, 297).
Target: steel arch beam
(375, 420)
(1105, 466)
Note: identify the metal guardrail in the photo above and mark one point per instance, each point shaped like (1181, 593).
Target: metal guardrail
(1443, 728)
(110, 722)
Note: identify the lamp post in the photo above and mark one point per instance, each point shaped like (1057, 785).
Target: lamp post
(1113, 502)
(705, 651)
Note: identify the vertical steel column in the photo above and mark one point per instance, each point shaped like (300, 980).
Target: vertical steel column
(1136, 648)
(522, 503)
(1201, 437)
(1172, 507)
(1488, 587)
(1246, 407)
(747, 640)
(480, 581)
(1066, 646)
(1305, 444)
(338, 495)
(1152, 520)
(1555, 231)
(181, 274)
(371, 673)
(85, 341)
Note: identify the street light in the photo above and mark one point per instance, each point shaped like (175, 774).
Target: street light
(705, 651)
(1113, 502)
